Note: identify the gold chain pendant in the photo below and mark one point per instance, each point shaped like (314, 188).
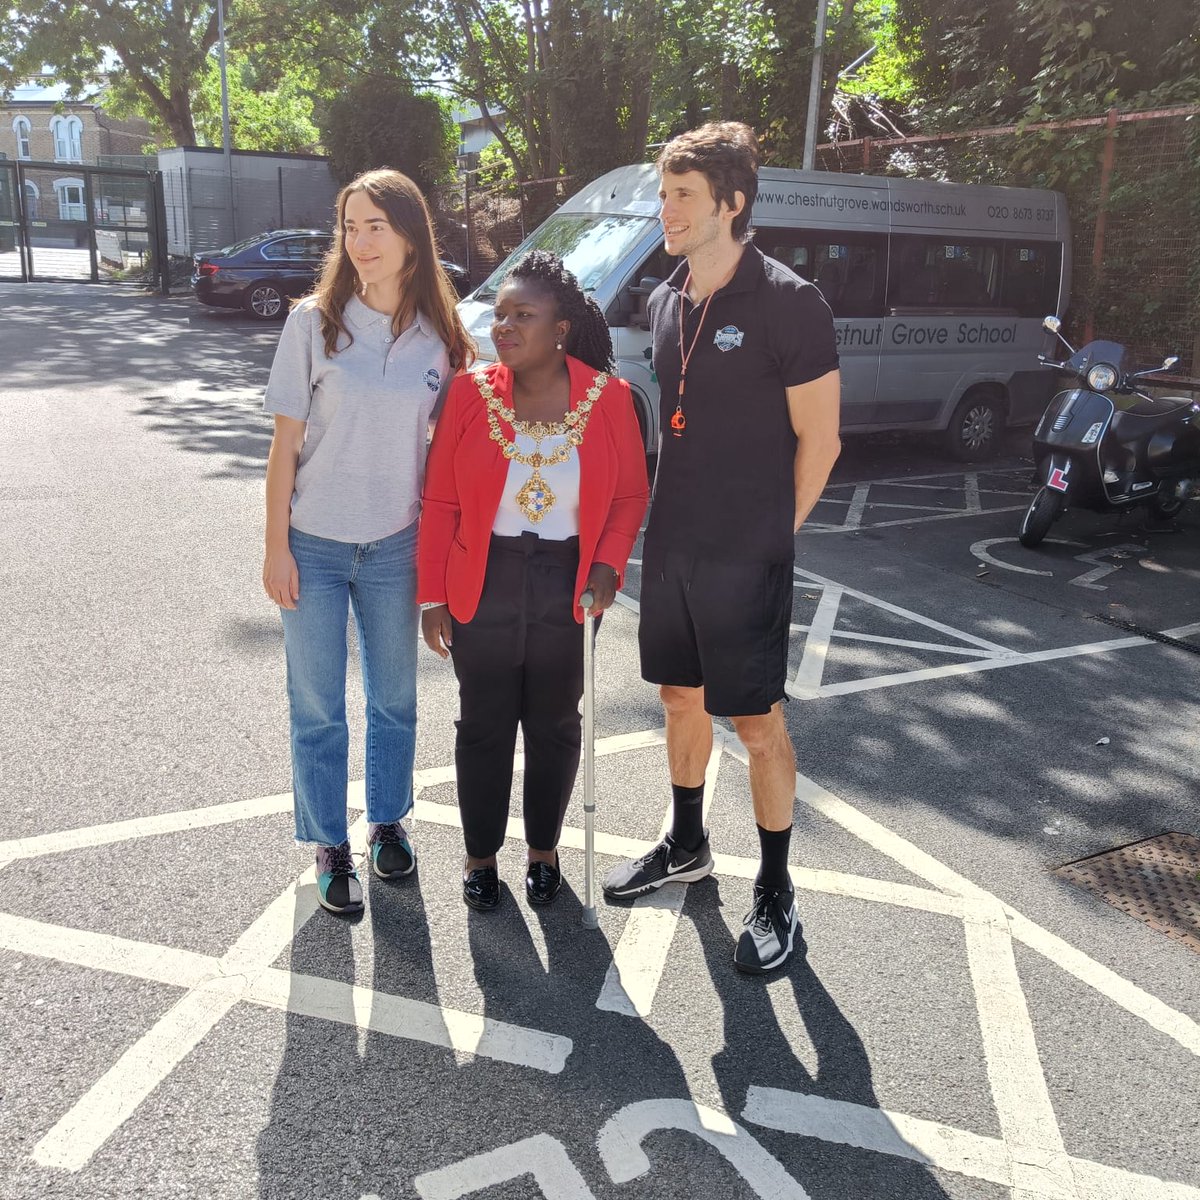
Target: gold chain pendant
(535, 499)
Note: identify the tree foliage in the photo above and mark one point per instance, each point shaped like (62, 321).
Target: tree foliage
(162, 50)
(382, 123)
(977, 63)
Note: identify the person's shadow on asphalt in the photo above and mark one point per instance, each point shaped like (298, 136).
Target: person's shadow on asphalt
(756, 1053)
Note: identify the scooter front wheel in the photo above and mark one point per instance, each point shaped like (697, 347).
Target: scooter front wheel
(1044, 509)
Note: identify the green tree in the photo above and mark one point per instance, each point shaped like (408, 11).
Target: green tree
(265, 113)
(162, 51)
(378, 122)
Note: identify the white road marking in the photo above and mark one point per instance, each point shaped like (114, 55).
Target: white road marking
(244, 973)
(103, 952)
(1181, 1028)
(932, 1144)
(620, 1145)
(807, 681)
(902, 643)
(141, 827)
(876, 1129)
(1089, 579)
(925, 674)
(1019, 1091)
(116, 1095)
(640, 955)
(954, 515)
(858, 504)
(543, 1157)
(414, 1020)
(982, 551)
(971, 492)
(812, 579)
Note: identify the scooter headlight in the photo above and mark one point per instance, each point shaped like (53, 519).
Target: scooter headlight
(1101, 377)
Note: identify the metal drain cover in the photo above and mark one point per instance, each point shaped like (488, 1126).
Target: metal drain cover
(1157, 881)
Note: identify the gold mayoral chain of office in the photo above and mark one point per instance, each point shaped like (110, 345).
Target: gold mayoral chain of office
(536, 499)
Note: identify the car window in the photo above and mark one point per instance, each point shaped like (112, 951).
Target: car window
(294, 249)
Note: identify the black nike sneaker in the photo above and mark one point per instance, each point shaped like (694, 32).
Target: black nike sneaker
(666, 863)
(770, 931)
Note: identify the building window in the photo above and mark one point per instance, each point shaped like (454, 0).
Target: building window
(70, 199)
(68, 139)
(21, 129)
(32, 196)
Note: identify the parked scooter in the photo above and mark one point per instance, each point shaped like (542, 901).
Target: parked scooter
(1104, 445)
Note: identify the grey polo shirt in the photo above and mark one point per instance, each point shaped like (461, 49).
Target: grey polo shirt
(367, 411)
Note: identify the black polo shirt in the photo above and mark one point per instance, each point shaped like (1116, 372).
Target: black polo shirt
(725, 489)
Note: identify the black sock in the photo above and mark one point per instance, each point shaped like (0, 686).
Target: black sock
(687, 816)
(773, 873)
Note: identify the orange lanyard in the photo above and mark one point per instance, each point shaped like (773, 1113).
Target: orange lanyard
(679, 421)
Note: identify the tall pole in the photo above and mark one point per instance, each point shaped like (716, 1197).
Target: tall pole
(814, 88)
(226, 141)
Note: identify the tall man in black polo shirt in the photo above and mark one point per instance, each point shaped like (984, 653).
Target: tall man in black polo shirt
(747, 365)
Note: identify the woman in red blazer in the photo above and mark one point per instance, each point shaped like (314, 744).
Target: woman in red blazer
(534, 493)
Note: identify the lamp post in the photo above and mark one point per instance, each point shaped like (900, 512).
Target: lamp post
(226, 142)
(814, 88)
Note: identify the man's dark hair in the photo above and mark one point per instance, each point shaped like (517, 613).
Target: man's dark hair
(726, 154)
(589, 339)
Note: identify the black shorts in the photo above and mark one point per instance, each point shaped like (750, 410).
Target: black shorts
(722, 626)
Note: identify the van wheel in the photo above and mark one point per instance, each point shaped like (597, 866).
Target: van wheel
(976, 428)
(1044, 509)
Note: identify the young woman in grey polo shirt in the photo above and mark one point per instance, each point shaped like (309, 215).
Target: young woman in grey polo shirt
(359, 368)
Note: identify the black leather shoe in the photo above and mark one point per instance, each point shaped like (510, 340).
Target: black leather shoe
(481, 888)
(543, 881)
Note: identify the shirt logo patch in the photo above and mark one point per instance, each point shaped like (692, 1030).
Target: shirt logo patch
(433, 380)
(728, 338)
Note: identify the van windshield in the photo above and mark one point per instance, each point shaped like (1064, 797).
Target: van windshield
(591, 245)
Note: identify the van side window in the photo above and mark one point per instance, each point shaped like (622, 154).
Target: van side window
(849, 271)
(847, 267)
(937, 273)
(1031, 278)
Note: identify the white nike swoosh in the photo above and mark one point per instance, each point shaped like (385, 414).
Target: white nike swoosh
(682, 867)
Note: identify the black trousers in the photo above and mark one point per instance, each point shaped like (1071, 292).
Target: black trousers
(519, 661)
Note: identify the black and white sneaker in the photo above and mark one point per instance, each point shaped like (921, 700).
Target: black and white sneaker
(666, 863)
(771, 928)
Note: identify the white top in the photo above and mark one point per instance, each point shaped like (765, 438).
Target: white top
(562, 479)
(367, 411)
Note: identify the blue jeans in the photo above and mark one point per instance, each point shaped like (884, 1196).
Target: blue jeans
(378, 580)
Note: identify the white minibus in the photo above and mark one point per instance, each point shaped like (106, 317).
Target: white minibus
(938, 290)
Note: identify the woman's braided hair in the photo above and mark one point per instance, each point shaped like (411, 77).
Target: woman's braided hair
(588, 339)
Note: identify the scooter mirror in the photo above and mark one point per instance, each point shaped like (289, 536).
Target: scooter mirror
(1052, 324)
(1168, 363)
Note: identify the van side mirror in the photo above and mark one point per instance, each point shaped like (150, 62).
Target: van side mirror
(638, 295)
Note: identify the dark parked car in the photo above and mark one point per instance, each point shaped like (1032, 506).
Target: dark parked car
(260, 273)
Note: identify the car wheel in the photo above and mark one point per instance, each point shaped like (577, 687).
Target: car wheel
(264, 302)
(1044, 509)
(976, 428)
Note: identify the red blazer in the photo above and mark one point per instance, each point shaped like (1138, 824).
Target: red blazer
(466, 475)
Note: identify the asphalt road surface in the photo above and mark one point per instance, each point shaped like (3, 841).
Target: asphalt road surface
(179, 1019)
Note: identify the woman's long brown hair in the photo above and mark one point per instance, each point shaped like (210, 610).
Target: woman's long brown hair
(424, 287)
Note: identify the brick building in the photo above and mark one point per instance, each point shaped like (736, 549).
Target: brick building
(38, 123)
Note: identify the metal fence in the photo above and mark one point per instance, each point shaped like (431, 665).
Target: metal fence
(1132, 182)
(204, 212)
(479, 227)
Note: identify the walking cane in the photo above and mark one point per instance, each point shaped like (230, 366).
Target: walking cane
(590, 920)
